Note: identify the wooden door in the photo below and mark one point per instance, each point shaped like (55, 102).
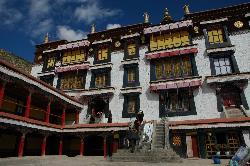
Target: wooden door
(195, 146)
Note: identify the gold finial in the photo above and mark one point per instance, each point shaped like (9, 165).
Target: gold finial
(46, 38)
(167, 17)
(146, 17)
(186, 9)
(93, 28)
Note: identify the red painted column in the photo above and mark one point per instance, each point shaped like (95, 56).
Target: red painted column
(63, 117)
(48, 113)
(27, 108)
(21, 145)
(77, 117)
(82, 147)
(2, 88)
(44, 146)
(104, 148)
(60, 147)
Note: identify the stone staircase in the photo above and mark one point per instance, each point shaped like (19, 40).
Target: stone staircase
(158, 152)
(159, 136)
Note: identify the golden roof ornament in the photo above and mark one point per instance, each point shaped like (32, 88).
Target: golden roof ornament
(46, 38)
(93, 28)
(186, 9)
(146, 17)
(167, 17)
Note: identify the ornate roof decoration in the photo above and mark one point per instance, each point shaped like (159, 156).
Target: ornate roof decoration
(166, 17)
(166, 27)
(186, 9)
(93, 28)
(237, 10)
(46, 38)
(146, 17)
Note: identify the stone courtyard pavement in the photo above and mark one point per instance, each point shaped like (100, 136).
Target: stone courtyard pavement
(93, 161)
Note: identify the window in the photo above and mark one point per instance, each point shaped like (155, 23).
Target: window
(222, 65)
(102, 54)
(131, 49)
(169, 40)
(131, 105)
(101, 80)
(173, 67)
(72, 80)
(50, 62)
(177, 101)
(215, 36)
(73, 56)
(131, 75)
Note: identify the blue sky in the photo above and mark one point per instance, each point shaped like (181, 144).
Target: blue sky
(23, 23)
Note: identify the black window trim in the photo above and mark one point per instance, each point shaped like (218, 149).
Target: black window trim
(125, 113)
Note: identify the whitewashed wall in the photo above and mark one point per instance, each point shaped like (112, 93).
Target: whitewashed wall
(204, 96)
(242, 55)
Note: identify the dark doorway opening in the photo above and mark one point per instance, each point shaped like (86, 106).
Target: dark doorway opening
(52, 147)
(93, 146)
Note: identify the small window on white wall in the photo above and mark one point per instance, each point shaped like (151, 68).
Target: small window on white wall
(222, 65)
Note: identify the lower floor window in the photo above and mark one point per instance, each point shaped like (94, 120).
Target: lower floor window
(131, 105)
(177, 101)
(222, 142)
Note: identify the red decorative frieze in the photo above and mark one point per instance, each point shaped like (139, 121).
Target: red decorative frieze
(175, 84)
(72, 68)
(170, 26)
(169, 53)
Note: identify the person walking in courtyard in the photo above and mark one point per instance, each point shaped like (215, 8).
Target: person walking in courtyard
(110, 139)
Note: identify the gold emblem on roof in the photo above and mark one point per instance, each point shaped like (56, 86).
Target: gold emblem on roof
(117, 44)
(238, 24)
(196, 29)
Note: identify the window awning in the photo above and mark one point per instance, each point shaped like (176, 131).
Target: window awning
(175, 84)
(172, 52)
(170, 26)
(72, 68)
(70, 45)
(228, 78)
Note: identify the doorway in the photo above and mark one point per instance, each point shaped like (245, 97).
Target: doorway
(93, 146)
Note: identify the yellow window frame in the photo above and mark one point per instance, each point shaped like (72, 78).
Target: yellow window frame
(102, 54)
(51, 62)
(215, 36)
(131, 49)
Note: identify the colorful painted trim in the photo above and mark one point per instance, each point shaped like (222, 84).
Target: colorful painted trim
(102, 41)
(170, 26)
(170, 53)
(228, 78)
(175, 84)
(72, 68)
(70, 46)
(130, 36)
